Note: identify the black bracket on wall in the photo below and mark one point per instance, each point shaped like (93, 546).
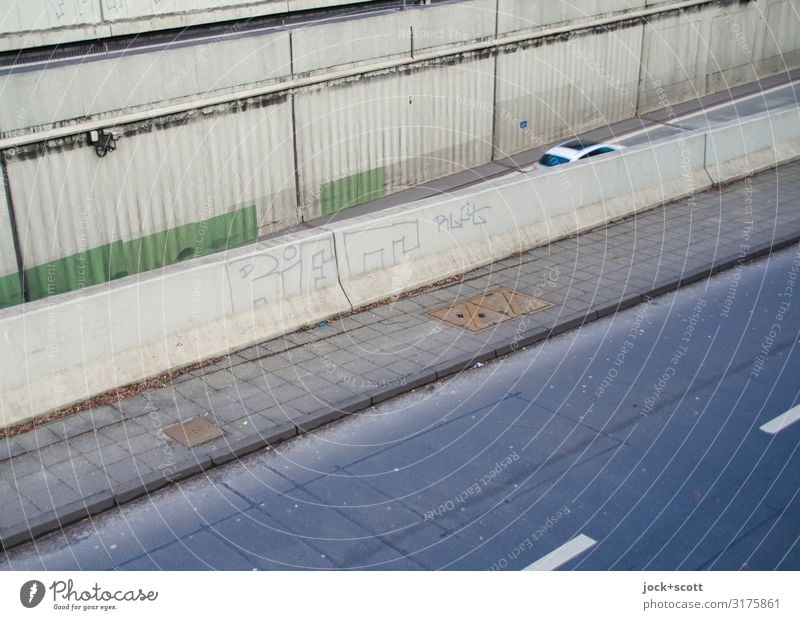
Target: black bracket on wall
(103, 141)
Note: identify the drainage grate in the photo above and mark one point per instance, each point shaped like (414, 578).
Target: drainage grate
(489, 309)
(194, 432)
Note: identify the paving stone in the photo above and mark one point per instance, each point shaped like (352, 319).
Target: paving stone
(218, 400)
(302, 337)
(359, 367)
(106, 454)
(134, 407)
(404, 367)
(90, 483)
(82, 422)
(321, 347)
(23, 465)
(272, 364)
(280, 416)
(45, 490)
(251, 353)
(194, 390)
(289, 373)
(243, 390)
(335, 394)
(220, 380)
(306, 403)
(9, 448)
(231, 412)
(34, 441)
(286, 392)
(299, 355)
(250, 370)
(259, 402)
(161, 458)
(56, 453)
(16, 507)
(141, 441)
(128, 469)
(345, 353)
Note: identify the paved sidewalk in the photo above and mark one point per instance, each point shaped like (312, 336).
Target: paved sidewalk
(88, 462)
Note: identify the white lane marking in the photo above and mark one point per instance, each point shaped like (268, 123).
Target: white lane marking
(563, 554)
(718, 106)
(782, 421)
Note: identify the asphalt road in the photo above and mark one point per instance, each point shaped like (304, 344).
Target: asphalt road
(632, 443)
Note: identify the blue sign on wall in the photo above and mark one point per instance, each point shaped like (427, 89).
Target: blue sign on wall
(523, 124)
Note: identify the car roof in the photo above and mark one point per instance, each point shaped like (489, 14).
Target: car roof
(578, 145)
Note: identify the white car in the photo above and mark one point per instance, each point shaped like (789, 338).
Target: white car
(573, 151)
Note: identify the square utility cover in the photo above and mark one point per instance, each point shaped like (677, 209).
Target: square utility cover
(489, 309)
(194, 432)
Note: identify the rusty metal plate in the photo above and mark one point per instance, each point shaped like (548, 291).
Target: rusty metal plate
(194, 432)
(489, 309)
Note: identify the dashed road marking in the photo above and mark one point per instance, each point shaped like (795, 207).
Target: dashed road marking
(563, 554)
(782, 421)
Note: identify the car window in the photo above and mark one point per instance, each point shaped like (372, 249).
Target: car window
(578, 144)
(600, 151)
(552, 160)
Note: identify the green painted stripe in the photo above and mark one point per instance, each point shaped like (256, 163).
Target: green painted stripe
(121, 258)
(10, 291)
(351, 191)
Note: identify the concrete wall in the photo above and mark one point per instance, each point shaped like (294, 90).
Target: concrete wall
(581, 83)
(34, 23)
(10, 288)
(361, 41)
(157, 179)
(94, 340)
(105, 86)
(681, 55)
(200, 184)
(522, 15)
(63, 349)
(396, 130)
(703, 51)
(741, 148)
(342, 135)
(405, 248)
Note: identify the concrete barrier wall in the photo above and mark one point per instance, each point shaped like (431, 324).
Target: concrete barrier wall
(744, 147)
(521, 15)
(34, 23)
(100, 338)
(67, 348)
(103, 86)
(683, 55)
(419, 29)
(405, 248)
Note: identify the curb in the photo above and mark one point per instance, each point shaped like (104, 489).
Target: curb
(54, 520)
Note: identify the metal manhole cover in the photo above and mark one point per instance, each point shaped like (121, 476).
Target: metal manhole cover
(489, 309)
(194, 432)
